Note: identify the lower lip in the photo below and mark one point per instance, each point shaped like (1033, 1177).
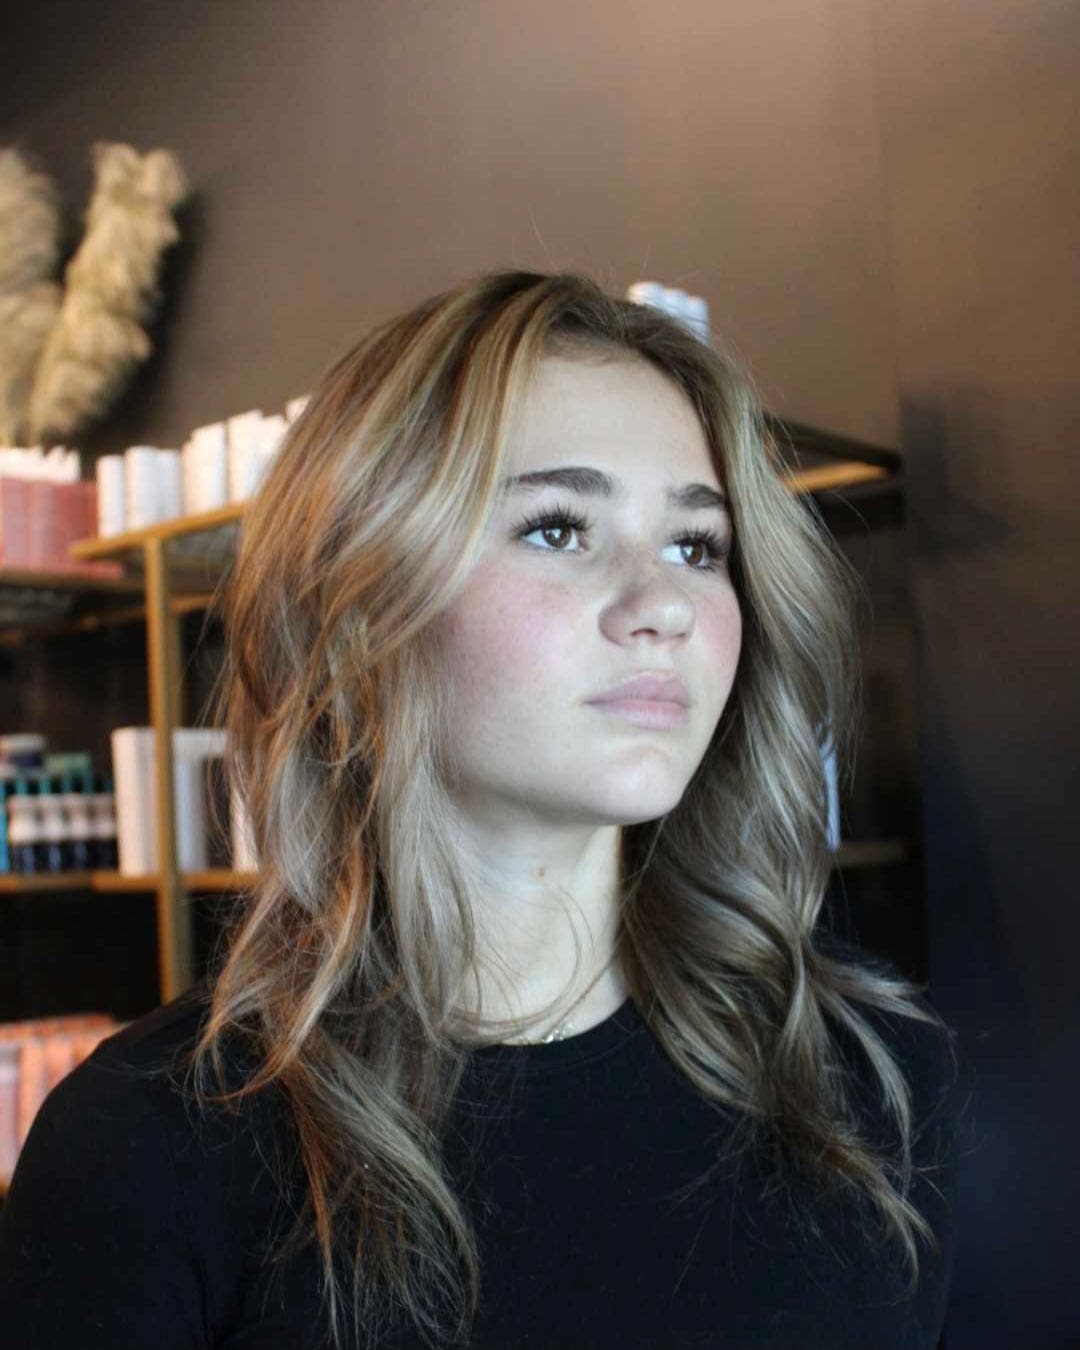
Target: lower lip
(645, 712)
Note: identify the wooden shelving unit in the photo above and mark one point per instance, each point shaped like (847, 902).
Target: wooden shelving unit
(196, 549)
(176, 566)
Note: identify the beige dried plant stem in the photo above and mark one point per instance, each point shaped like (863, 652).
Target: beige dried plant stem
(111, 290)
(29, 297)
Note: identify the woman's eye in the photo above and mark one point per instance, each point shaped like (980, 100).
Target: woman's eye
(553, 527)
(549, 522)
(715, 548)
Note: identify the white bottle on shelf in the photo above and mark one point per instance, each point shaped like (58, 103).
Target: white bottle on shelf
(244, 434)
(109, 474)
(647, 293)
(206, 469)
(696, 309)
(170, 484)
(142, 490)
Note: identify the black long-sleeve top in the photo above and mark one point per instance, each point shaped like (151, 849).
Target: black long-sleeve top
(127, 1226)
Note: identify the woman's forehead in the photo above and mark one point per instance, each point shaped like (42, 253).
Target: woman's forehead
(618, 413)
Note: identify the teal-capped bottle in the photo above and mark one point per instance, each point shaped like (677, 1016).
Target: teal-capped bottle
(7, 788)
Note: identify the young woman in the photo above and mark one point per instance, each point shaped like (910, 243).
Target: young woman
(531, 1033)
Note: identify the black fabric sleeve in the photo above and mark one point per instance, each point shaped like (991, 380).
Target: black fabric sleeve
(935, 1070)
(937, 1078)
(938, 1075)
(95, 1245)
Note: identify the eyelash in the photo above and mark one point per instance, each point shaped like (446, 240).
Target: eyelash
(718, 547)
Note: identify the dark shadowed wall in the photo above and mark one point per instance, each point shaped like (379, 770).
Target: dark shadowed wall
(880, 203)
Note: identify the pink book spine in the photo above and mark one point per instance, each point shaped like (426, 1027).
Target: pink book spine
(16, 520)
(50, 1025)
(38, 523)
(87, 496)
(33, 1084)
(88, 1040)
(47, 1026)
(88, 529)
(65, 523)
(35, 1056)
(9, 1108)
(59, 1059)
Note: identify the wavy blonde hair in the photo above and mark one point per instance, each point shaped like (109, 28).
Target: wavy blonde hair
(341, 973)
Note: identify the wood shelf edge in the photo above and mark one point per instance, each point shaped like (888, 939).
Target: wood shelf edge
(214, 879)
(177, 527)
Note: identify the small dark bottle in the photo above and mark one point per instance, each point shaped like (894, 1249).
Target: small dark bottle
(24, 830)
(81, 853)
(53, 825)
(104, 799)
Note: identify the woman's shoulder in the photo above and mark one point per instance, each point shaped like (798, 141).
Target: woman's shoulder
(135, 1074)
(123, 1078)
(143, 1049)
(149, 1058)
(127, 1117)
(123, 1175)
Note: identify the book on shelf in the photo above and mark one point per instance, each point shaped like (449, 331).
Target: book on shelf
(40, 519)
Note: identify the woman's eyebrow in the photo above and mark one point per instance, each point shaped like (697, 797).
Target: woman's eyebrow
(591, 482)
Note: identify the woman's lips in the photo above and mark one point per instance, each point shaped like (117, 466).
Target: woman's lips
(645, 712)
(649, 686)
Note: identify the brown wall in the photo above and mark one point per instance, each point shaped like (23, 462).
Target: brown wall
(980, 118)
(879, 202)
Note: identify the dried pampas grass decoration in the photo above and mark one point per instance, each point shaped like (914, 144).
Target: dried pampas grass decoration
(111, 289)
(29, 299)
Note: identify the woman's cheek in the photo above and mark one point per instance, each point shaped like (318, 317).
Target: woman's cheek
(506, 632)
(535, 634)
(719, 627)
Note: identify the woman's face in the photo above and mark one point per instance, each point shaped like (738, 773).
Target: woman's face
(553, 616)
